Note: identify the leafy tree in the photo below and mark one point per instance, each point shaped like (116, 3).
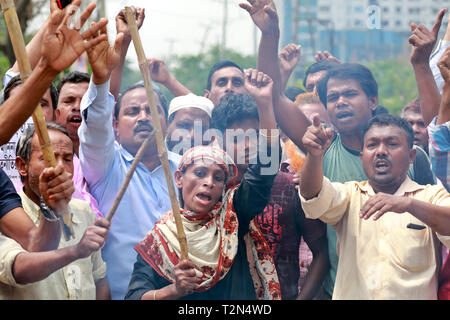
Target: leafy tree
(192, 70)
(396, 82)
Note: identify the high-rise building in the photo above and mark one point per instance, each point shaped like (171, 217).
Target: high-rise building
(355, 30)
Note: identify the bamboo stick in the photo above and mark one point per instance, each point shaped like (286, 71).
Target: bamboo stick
(162, 152)
(18, 43)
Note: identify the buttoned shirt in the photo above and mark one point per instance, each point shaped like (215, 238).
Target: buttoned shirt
(105, 164)
(380, 259)
(74, 281)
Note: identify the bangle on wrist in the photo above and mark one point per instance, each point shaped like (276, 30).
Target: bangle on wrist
(48, 213)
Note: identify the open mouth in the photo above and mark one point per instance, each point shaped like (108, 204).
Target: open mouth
(382, 165)
(203, 198)
(75, 119)
(344, 115)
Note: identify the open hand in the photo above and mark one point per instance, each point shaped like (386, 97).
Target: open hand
(102, 57)
(61, 44)
(263, 13)
(382, 203)
(325, 55)
(423, 40)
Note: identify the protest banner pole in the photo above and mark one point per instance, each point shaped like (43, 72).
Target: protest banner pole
(18, 43)
(162, 152)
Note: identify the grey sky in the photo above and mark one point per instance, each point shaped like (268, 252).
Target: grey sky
(184, 26)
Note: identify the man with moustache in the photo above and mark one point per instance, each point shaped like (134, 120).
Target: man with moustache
(349, 92)
(105, 162)
(395, 255)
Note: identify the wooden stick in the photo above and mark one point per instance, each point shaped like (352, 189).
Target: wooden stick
(18, 43)
(162, 152)
(128, 177)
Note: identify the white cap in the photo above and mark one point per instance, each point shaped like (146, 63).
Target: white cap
(191, 101)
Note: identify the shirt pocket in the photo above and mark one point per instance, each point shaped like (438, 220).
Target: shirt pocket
(411, 248)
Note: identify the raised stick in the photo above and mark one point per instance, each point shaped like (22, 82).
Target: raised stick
(162, 152)
(15, 33)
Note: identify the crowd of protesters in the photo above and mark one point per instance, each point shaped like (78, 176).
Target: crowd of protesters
(283, 193)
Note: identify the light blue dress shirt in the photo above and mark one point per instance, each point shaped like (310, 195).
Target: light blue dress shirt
(105, 163)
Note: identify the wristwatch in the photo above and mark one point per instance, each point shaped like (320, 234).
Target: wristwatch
(48, 213)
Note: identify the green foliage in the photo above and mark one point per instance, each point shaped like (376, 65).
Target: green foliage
(192, 70)
(396, 82)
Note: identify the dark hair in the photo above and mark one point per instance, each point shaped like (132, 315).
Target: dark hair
(16, 80)
(293, 92)
(74, 77)
(24, 146)
(233, 108)
(413, 106)
(217, 66)
(322, 65)
(384, 120)
(380, 110)
(347, 71)
(140, 84)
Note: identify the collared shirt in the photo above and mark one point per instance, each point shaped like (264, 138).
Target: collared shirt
(380, 259)
(434, 59)
(105, 164)
(74, 281)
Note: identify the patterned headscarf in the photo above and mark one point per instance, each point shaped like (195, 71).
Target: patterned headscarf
(217, 155)
(212, 238)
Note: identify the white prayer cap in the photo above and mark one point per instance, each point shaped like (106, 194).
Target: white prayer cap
(191, 101)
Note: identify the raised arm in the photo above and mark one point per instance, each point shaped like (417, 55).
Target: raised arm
(122, 27)
(160, 74)
(254, 191)
(423, 41)
(96, 131)
(444, 109)
(289, 57)
(316, 140)
(290, 119)
(60, 47)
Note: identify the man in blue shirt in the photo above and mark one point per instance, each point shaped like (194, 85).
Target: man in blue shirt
(105, 162)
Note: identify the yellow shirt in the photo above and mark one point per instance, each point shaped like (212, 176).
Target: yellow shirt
(74, 281)
(380, 259)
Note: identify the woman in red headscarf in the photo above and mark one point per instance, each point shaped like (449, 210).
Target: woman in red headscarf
(229, 258)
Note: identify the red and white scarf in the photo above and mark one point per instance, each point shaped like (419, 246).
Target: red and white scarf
(212, 242)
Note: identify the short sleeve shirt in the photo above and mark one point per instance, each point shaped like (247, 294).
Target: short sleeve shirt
(9, 199)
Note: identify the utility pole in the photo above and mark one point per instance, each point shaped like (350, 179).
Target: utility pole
(224, 28)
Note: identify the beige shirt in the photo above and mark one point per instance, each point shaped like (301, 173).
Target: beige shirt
(74, 281)
(380, 259)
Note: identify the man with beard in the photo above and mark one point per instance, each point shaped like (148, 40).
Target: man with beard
(105, 162)
(395, 255)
